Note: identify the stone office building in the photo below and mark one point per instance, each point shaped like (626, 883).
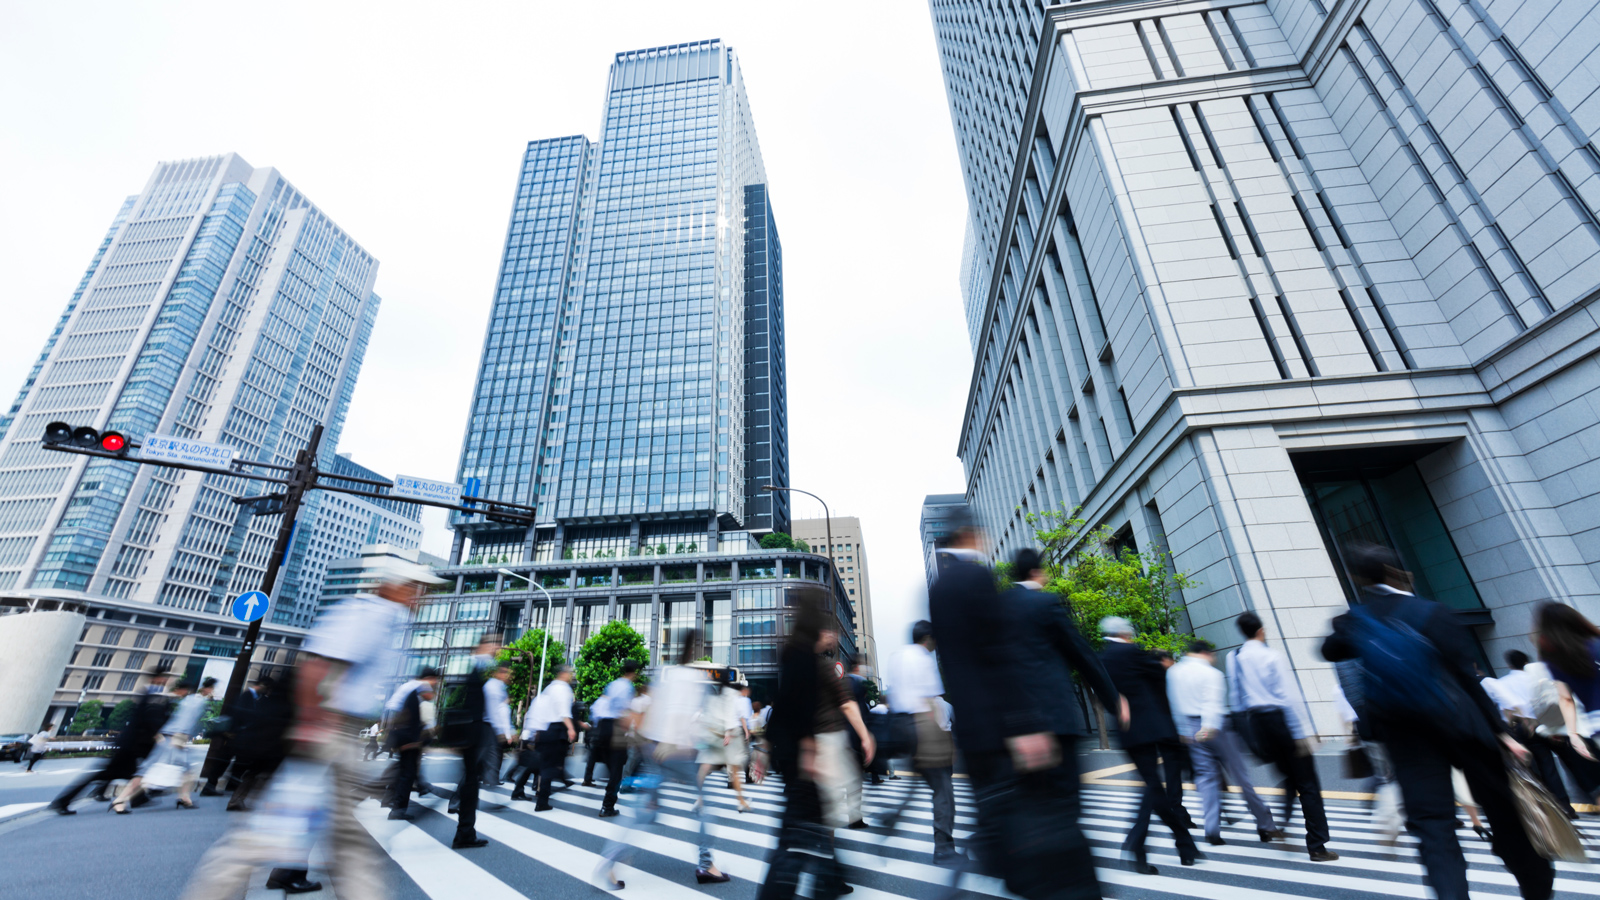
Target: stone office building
(1261, 279)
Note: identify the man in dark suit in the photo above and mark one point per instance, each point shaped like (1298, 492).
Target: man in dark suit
(481, 742)
(1422, 751)
(1142, 681)
(405, 736)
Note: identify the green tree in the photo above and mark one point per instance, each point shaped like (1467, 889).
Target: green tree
(524, 656)
(89, 715)
(777, 540)
(121, 715)
(601, 657)
(802, 546)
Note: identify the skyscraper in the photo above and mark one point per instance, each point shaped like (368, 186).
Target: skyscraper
(1266, 280)
(632, 382)
(222, 306)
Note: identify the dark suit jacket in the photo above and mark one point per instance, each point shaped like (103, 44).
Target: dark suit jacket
(981, 678)
(1048, 647)
(406, 727)
(1141, 678)
(1457, 652)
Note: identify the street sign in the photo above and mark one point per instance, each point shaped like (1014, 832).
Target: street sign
(183, 450)
(423, 489)
(249, 606)
(472, 487)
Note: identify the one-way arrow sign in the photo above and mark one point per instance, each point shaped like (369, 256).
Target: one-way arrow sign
(250, 606)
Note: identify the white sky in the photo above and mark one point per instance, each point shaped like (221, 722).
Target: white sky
(406, 124)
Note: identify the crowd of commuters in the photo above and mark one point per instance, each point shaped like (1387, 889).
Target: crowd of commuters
(1002, 685)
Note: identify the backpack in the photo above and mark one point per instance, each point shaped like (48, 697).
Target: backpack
(1404, 678)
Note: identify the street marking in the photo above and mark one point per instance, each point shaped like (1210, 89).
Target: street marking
(437, 869)
(17, 809)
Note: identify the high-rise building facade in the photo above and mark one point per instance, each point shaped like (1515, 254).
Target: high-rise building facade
(632, 383)
(849, 554)
(1271, 278)
(222, 305)
(937, 513)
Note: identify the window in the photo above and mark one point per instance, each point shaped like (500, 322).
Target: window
(758, 598)
(143, 640)
(721, 572)
(553, 579)
(758, 654)
(111, 636)
(101, 658)
(465, 637)
(288, 657)
(758, 626)
(459, 664)
(471, 610)
(93, 682)
(434, 612)
(427, 639)
(135, 661)
(764, 568)
(637, 575)
(64, 676)
(167, 662)
(127, 681)
(270, 655)
(173, 642)
(677, 574)
(216, 648)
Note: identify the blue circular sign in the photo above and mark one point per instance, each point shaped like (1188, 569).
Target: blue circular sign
(250, 606)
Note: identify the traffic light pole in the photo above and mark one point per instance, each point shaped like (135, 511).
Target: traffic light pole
(301, 478)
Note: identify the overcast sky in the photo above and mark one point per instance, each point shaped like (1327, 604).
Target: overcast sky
(406, 124)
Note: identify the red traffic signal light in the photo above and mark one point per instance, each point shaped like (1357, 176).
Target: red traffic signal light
(57, 433)
(113, 442)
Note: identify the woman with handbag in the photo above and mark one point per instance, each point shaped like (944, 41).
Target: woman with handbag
(169, 765)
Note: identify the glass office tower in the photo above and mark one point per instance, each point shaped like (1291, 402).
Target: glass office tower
(618, 387)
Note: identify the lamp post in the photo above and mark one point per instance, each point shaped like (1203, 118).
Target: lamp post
(827, 518)
(549, 610)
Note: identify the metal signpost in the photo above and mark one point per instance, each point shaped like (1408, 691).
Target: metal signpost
(295, 481)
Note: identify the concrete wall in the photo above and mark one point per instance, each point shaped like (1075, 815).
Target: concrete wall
(34, 648)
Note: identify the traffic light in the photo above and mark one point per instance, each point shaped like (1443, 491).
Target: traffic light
(58, 433)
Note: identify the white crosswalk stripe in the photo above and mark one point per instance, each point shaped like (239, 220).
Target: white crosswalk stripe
(887, 863)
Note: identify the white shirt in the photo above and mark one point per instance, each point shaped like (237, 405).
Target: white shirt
(914, 681)
(679, 696)
(1196, 688)
(553, 704)
(359, 631)
(186, 718)
(397, 700)
(1516, 687)
(1347, 713)
(39, 742)
(614, 702)
(747, 713)
(496, 711)
(1261, 677)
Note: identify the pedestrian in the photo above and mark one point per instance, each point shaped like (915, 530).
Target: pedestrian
(1570, 645)
(346, 662)
(135, 742)
(224, 741)
(724, 741)
(1150, 733)
(37, 746)
(1007, 669)
(405, 735)
(169, 765)
(1434, 718)
(497, 713)
(748, 720)
(260, 739)
(549, 727)
(480, 745)
(917, 692)
(610, 744)
(813, 703)
(1515, 693)
(1264, 690)
(1198, 694)
(638, 745)
(669, 733)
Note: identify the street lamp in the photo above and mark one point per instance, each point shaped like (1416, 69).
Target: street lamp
(827, 517)
(549, 610)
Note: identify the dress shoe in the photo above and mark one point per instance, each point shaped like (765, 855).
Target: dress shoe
(857, 824)
(518, 795)
(297, 886)
(542, 807)
(1140, 867)
(459, 844)
(210, 792)
(1323, 856)
(1276, 834)
(608, 813)
(453, 810)
(590, 784)
(704, 876)
(401, 815)
(64, 810)
(234, 807)
(1215, 840)
(1191, 857)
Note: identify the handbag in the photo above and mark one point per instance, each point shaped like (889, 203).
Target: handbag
(1357, 764)
(1545, 821)
(1239, 720)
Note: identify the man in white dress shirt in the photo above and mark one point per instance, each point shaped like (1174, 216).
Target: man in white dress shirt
(610, 743)
(1264, 688)
(1197, 692)
(915, 689)
(549, 726)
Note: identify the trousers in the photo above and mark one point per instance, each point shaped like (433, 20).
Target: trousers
(405, 777)
(1028, 831)
(465, 802)
(1154, 800)
(1422, 764)
(838, 779)
(1299, 770)
(1214, 760)
(552, 764)
(675, 765)
(358, 874)
(610, 751)
(803, 842)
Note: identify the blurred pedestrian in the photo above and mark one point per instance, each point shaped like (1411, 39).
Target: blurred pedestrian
(916, 692)
(549, 726)
(669, 730)
(813, 703)
(1515, 693)
(1264, 689)
(479, 746)
(169, 764)
(347, 661)
(137, 739)
(1427, 706)
(610, 746)
(1149, 734)
(37, 746)
(405, 735)
(724, 741)
(224, 740)
(1198, 694)
(260, 738)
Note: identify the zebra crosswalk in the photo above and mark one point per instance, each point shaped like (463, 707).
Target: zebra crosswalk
(555, 853)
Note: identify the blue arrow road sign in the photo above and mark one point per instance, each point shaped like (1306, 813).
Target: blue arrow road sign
(250, 606)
